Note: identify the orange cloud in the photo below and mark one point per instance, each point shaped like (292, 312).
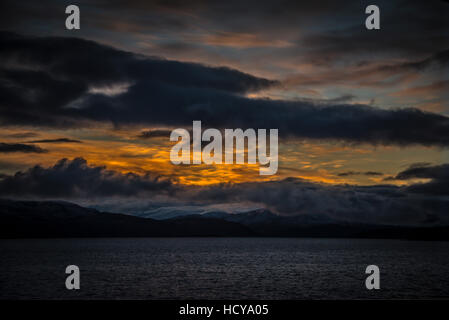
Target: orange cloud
(123, 150)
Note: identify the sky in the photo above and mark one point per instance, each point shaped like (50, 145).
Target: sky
(363, 115)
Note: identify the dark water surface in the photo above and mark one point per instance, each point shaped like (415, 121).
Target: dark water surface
(223, 268)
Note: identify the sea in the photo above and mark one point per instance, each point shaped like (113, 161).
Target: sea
(223, 268)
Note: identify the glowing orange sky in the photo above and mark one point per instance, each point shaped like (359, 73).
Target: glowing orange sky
(122, 150)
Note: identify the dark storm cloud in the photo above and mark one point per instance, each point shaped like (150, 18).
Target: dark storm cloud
(155, 133)
(45, 81)
(75, 178)
(19, 147)
(50, 81)
(365, 204)
(60, 140)
(438, 175)
(89, 63)
(355, 173)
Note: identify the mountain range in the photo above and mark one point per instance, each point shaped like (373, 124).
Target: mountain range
(60, 219)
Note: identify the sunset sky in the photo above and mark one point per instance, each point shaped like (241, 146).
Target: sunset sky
(357, 110)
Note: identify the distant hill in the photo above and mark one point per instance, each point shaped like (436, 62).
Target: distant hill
(264, 222)
(58, 219)
(48, 219)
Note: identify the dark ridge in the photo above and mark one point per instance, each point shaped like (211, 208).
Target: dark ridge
(58, 219)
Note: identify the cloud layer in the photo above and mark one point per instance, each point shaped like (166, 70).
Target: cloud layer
(60, 140)
(438, 176)
(76, 179)
(67, 81)
(418, 204)
(19, 147)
